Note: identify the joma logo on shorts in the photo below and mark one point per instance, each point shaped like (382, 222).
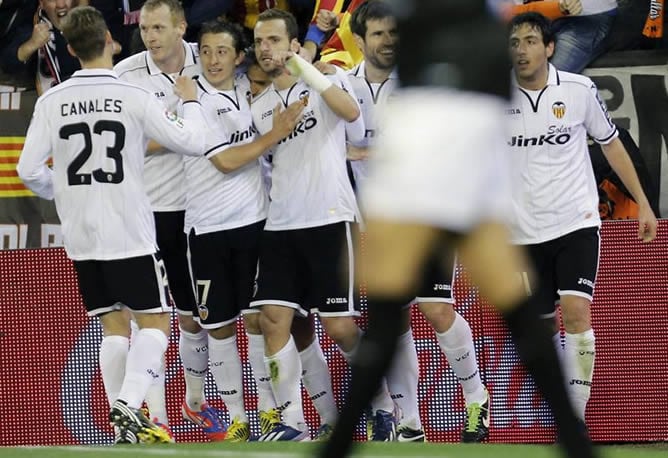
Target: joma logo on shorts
(336, 300)
(438, 287)
(584, 281)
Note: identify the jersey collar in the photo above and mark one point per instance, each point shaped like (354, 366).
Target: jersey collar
(91, 72)
(360, 71)
(552, 77)
(190, 59)
(209, 89)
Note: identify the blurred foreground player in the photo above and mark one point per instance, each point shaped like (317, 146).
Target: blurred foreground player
(441, 180)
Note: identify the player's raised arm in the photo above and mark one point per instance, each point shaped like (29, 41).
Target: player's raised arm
(338, 100)
(32, 168)
(228, 159)
(186, 135)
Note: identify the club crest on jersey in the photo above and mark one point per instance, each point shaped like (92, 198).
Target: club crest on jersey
(174, 118)
(559, 109)
(304, 96)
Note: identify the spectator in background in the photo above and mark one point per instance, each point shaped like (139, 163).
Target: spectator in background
(14, 15)
(581, 27)
(40, 47)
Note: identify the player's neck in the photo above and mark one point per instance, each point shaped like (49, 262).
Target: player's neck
(103, 62)
(284, 81)
(535, 82)
(376, 75)
(173, 64)
(225, 85)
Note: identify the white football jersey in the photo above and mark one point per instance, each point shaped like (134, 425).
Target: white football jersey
(165, 177)
(218, 201)
(309, 179)
(554, 189)
(371, 98)
(96, 128)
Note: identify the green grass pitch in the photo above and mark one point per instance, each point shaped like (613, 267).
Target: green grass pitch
(302, 450)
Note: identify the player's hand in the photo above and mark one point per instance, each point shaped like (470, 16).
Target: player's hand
(185, 88)
(285, 121)
(646, 224)
(354, 153)
(325, 68)
(570, 7)
(326, 20)
(279, 58)
(41, 34)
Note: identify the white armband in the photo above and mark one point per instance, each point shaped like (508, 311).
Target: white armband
(311, 75)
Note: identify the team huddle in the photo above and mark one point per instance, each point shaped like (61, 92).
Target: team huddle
(219, 176)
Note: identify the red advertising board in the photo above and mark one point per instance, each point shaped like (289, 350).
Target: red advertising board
(48, 357)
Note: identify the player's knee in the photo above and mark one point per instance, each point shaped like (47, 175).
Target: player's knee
(275, 319)
(342, 330)
(188, 324)
(223, 332)
(440, 315)
(252, 323)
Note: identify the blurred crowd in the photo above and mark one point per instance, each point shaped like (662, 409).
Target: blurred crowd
(33, 51)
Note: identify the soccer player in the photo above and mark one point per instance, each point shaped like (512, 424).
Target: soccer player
(441, 181)
(226, 211)
(310, 214)
(555, 194)
(96, 128)
(162, 25)
(374, 27)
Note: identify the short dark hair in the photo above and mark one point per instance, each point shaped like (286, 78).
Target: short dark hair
(289, 20)
(86, 32)
(174, 6)
(218, 26)
(367, 11)
(535, 21)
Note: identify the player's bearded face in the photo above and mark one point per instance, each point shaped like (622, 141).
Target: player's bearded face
(219, 59)
(380, 43)
(161, 32)
(270, 36)
(56, 10)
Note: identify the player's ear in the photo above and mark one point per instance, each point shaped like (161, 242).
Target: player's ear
(240, 58)
(295, 46)
(359, 41)
(549, 49)
(71, 51)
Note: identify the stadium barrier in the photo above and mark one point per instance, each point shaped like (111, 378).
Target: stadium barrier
(50, 376)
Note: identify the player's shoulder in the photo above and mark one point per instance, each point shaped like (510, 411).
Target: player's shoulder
(134, 63)
(574, 80)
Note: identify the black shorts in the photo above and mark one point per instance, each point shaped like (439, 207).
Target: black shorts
(309, 269)
(437, 280)
(224, 266)
(173, 245)
(139, 283)
(565, 266)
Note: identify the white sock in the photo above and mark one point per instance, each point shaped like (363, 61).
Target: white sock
(155, 397)
(318, 382)
(457, 345)
(194, 352)
(382, 399)
(402, 381)
(226, 370)
(144, 359)
(265, 396)
(285, 370)
(113, 358)
(580, 352)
